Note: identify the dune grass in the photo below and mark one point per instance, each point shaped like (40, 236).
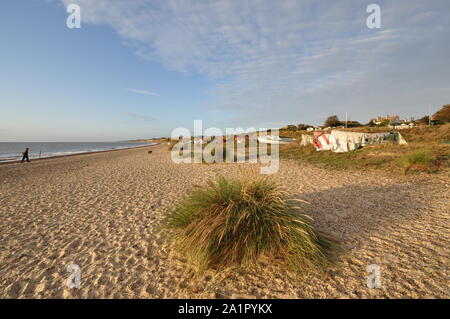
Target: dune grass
(419, 157)
(388, 157)
(419, 160)
(234, 222)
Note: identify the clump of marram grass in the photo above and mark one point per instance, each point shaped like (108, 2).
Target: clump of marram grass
(420, 160)
(234, 222)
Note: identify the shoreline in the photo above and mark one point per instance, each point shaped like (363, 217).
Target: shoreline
(76, 154)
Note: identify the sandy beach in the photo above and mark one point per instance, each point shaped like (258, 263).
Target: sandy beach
(102, 212)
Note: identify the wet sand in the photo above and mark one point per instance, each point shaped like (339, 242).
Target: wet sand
(102, 211)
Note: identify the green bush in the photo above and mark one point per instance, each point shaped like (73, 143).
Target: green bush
(236, 221)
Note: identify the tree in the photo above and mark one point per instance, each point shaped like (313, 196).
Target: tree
(424, 120)
(353, 124)
(385, 122)
(291, 128)
(303, 127)
(443, 115)
(332, 121)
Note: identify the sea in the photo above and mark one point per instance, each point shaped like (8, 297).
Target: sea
(13, 151)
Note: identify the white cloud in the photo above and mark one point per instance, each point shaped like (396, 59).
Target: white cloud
(292, 60)
(141, 117)
(141, 91)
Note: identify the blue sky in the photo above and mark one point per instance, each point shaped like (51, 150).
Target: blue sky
(138, 69)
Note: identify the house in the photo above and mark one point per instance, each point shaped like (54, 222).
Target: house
(380, 119)
(395, 122)
(398, 126)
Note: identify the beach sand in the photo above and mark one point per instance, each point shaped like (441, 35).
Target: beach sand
(102, 212)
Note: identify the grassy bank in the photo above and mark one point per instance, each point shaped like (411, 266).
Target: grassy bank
(427, 151)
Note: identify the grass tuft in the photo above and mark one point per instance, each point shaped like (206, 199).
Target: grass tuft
(234, 222)
(420, 157)
(421, 160)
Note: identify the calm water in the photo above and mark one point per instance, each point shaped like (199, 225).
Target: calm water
(13, 151)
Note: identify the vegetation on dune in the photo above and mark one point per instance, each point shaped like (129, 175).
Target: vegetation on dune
(424, 120)
(433, 140)
(234, 222)
(429, 142)
(303, 126)
(332, 121)
(428, 134)
(420, 160)
(443, 115)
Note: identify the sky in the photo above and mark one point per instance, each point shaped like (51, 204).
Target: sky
(141, 68)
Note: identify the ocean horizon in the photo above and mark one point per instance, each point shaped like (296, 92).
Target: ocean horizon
(12, 151)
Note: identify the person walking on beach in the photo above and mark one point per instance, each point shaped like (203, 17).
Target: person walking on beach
(25, 155)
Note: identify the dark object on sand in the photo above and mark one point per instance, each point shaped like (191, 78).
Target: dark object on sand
(150, 152)
(25, 155)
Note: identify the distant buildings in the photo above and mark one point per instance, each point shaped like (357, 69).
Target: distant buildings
(400, 126)
(393, 122)
(390, 121)
(380, 119)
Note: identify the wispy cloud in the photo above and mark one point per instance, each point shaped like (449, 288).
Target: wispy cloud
(141, 117)
(279, 60)
(141, 91)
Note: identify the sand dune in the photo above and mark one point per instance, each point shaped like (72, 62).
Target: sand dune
(102, 211)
